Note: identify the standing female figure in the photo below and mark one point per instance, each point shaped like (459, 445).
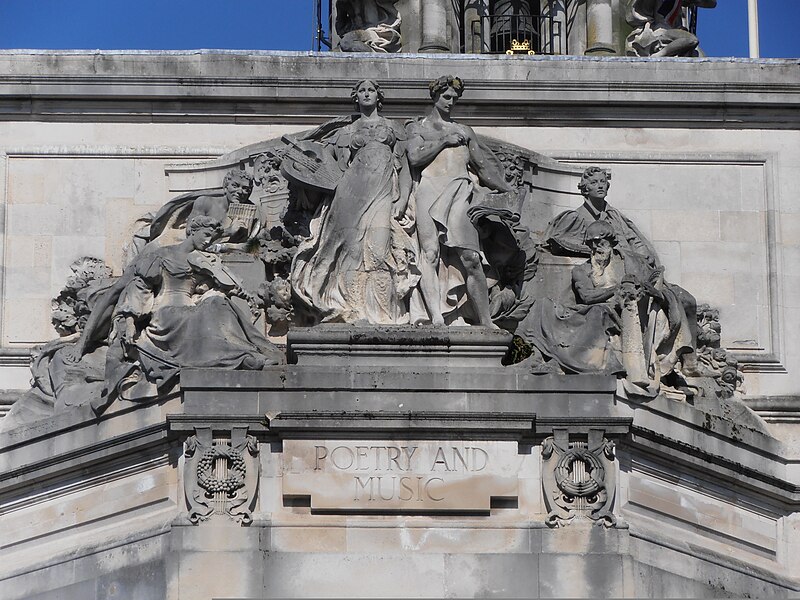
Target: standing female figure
(356, 265)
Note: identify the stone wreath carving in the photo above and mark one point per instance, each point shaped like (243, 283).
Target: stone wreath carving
(579, 482)
(207, 477)
(220, 476)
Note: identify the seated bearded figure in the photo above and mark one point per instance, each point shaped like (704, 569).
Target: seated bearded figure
(567, 235)
(618, 324)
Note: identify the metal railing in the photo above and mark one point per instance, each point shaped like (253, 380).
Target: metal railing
(502, 34)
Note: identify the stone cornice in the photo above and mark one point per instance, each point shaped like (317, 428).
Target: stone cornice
(284, 87)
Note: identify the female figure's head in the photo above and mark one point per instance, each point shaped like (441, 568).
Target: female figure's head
(202, 230)
(367, 95)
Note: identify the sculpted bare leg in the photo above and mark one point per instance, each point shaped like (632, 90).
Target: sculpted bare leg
(477, 289)
(429, 266)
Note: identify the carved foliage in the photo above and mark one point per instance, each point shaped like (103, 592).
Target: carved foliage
(71, 307)
(221, 475)
(579, 481)
(712, 359)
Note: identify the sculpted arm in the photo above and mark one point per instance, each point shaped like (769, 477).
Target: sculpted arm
(403, 180)
(422, 151)
(487, 167)
(585, 291)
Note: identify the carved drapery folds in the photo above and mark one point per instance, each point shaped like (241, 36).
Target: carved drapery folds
(221, 475)
(579, 479)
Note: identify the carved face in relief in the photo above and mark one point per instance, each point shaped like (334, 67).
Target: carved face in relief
(367, 95)
(446, 100)
(203, 230)
(708, 326)
(601, 240)
(203, 236)
(595, 186)
(237, 187)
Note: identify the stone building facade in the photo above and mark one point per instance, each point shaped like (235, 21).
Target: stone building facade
(392, 460)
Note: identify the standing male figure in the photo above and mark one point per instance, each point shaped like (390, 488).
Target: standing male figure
(443, 154)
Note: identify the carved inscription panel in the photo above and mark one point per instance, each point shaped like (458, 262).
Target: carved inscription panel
(400, 476)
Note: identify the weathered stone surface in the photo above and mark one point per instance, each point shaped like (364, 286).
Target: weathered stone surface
(706, 498)
(392, 345)
(406, 477)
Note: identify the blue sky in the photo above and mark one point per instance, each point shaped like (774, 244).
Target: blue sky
(287, 25)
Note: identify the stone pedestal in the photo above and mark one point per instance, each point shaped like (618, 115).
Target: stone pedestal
(398, 345)
(380, 466)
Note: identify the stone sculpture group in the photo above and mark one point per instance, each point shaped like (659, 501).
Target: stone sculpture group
(369, 221)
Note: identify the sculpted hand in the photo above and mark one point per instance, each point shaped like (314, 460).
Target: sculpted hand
(73, 354)
(398, 209)
(127, 332)
(455, 139)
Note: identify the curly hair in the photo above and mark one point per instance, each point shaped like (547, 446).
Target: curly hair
(437, 86)
(204, 222)
(588, 173)
(378, 90)
(240, 174)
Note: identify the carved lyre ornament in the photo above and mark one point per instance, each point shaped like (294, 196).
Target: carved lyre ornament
(221, 475)
(579, 480)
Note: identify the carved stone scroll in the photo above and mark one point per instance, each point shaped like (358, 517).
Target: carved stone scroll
(221, 475)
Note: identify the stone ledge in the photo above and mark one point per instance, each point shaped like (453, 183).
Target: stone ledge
(423, 424)
(264, 87)
(403, 378)
(397, 345)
